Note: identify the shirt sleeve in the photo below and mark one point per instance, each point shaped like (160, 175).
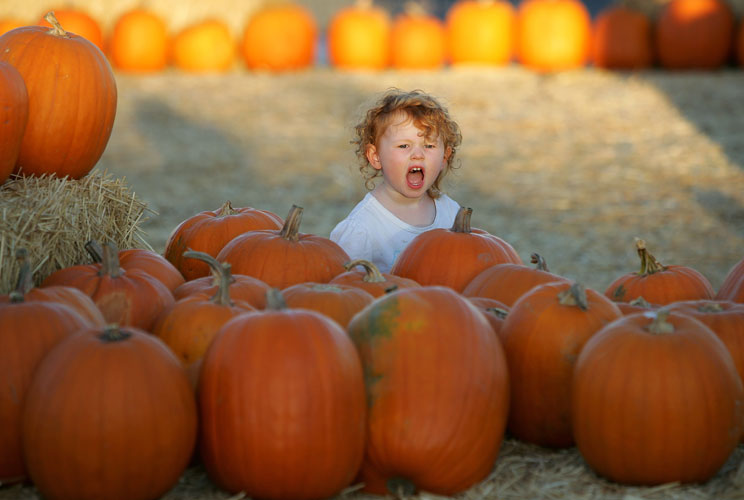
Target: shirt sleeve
(353, 238)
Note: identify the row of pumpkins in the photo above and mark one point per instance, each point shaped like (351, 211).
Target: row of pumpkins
(544, 35)
(295, 372)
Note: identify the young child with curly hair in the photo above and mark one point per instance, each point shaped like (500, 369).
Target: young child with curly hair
(410, 140)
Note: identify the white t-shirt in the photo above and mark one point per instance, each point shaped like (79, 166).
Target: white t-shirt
(373, 233)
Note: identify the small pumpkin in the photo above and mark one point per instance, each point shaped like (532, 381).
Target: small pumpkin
(417, 39)
(452, 257)
(241, 287)
(13, 117)
(338, 302)
(358, 37)
(78, 21)
(209, 231)
(480, 32)
(622, 39)
(659, 284)
(121, 404)
(371, 279)
(139, 41)
(494, 311)
(206, 46)
(641, 415)
(732, 287)
(285, 257)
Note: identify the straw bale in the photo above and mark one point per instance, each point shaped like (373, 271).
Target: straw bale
(52, 218)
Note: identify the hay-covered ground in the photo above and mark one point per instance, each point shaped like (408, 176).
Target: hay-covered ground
(572, 166)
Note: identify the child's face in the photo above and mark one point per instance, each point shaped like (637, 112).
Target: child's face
(410, 162)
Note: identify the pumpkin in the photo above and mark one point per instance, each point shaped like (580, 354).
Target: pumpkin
(13, 117)
(553, 35)
(358, 37)
(121, 405)
(494, 311)
(694, 34)
(206, 46)
(508, 281)
(189, 325)
(78, 21)
(298, 376)
(639, 304)
(241, 287)
(732, 287)
(641, 415)
(659, 284)
(542, 336)
(371, 279)
(622, 39)
(139, 41)
(280, 37)
(452, 257)
(437, 390)
(211, 230)
(480, 32)
(129, 297)
(417, 40)
(72, 103)
(338, 302)
(30, 325)
(285, 257)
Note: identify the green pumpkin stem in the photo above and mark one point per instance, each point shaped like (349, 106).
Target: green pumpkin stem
(462, 220)
(649, 264)
(539, 262)
(25, 277)
(499, 312)
(372, 275)
(575, 295)
(113, 333)
(226, 209)
(56, 28)
(275, 300)
(222, 272)
(660, 325)
(291, 229)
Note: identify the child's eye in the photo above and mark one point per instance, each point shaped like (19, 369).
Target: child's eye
(403, 146)
(431, 146)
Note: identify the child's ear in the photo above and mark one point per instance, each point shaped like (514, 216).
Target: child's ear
(447, 153)
(372, 157)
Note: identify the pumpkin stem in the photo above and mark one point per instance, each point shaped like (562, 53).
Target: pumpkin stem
(539, 262)
(641, 302)
(499, 312)
(110, 261)
(113, 333)
(226, 209)
(95, 250)
(291, 229)
(462, 220)
(275, 300)
(414, 9)
(25, 277)
(400, 486)
(222, 272)
(660, 325)
(364, 4)
(56, 28)
(575, 295)
(710, 307)
(649, 264)
(373, 274)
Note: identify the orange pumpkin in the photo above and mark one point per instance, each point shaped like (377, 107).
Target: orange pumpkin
(553, 35)
(480, 32)
(370, 279)
(358, 37)
(641, 415)
(211, 230)
(338, 302)
(121, 404)
(139, 41)
(494, 311)
(417, 40)
(732, 287)
(206, 46)
(72, 103)
(452, 257)
(298, 376)
(241, 287)
(694, 34)
(543, 335)
(659, 284)
(13, 117)
(437, 386)
(78, 21)
(285, 257)
(280, 38)
(622, 39)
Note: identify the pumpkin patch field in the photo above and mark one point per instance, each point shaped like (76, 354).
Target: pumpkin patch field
(586, 175)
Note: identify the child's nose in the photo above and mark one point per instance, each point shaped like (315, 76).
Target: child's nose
(417, 152)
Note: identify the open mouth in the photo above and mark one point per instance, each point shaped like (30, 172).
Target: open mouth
(415, 177)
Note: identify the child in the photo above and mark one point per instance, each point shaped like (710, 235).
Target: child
(410, 140)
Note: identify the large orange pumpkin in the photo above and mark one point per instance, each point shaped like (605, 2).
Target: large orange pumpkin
(437, 390)
(211, 230)
(642, 414)
(72, 103)
(139, 41)
(285, 257)
(370, 279)
(480, 32)
(659, 284)
(109, 414)
(13, 117)
(452, 257)
(417, 40)
(358, 37)
(78, 21)
(622, 39)
(694, 34)
(732, 287)
(297, 375)
(206, 46)
(553, 35)
(543, 335)
(280, 38)
(338, 302)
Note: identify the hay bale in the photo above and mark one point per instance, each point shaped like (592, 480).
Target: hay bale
(53, 218)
